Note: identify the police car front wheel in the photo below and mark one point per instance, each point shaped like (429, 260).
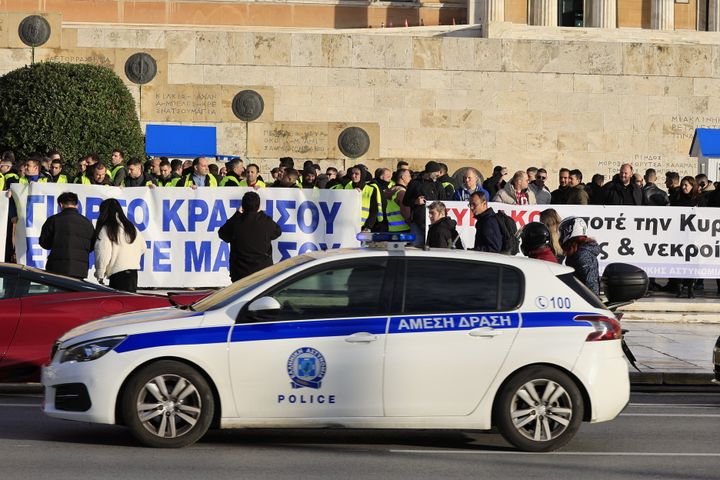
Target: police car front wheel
(540, 409)
(168, 404)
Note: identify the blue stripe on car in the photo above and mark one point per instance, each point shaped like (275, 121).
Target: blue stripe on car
(342, 327)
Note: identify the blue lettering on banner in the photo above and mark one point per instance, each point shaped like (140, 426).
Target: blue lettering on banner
(288, 249)
(293, 216)
(30, 209)
(199, 256)
(161, 251)
(132, 213)
(198, 211)
(35, 256)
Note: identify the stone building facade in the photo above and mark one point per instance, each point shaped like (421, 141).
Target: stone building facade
(521, 96)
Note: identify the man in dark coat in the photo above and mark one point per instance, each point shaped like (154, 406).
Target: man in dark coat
(560, 195)
(442, 232)
(69, 237)
(496, 182)
(488, 237)
(422, 190)
(622, 190)
(249, 233)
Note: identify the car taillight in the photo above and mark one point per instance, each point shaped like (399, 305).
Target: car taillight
(606, 328)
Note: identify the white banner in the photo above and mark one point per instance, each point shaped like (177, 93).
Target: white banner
(666, 242)
(4, 207)
(180, 225)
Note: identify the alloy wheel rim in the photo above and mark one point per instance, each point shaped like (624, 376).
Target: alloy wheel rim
(541, 410)
(169, 406)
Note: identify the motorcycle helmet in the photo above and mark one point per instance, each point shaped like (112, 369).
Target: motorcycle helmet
(534, 235)
(572, 227)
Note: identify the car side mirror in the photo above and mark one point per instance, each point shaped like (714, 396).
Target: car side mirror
(264, 304)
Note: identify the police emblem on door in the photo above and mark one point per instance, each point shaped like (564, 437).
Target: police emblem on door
(306, 368)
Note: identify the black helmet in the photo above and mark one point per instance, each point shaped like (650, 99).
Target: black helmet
(534, 235)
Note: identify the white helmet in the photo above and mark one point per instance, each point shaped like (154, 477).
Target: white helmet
(572, 227)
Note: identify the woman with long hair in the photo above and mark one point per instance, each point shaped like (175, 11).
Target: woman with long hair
(552, 220)
(688, 196)
(581, 252)
(118, 247)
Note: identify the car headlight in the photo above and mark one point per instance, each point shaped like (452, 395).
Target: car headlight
(91, 350)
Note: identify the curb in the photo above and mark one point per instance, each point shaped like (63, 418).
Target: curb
(672, 379)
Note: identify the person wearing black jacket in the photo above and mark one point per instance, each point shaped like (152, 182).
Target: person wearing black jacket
(622, 190)
(69, 237)
(488, 237)
(249, 233)
(420, 191)
(495, 183)
(442, 232)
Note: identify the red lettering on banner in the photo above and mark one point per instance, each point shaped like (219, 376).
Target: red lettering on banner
(459, 214)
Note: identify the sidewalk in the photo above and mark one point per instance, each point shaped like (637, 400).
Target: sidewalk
(673, 338)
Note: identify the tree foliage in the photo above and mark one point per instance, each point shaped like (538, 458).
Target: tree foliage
(75, 109)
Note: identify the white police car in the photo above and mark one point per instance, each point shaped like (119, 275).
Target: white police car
(358, 338)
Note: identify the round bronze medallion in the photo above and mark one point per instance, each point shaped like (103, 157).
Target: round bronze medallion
(34, 31)
(140, 68)
(354, 142)
(248, 105)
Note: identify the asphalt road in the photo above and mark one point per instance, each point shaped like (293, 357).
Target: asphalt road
(659, 436)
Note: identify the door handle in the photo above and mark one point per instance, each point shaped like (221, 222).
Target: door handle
(485, 332)
(361, 337)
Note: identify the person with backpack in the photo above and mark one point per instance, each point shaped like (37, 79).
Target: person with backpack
(488, 236)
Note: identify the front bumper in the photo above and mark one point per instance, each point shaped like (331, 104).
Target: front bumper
(82, 391)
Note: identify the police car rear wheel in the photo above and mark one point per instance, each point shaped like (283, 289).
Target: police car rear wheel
(539, 410)
(168, 404)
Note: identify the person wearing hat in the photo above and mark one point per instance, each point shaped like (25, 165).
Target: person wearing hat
(309, 177)
(581, 252)
(422, 190)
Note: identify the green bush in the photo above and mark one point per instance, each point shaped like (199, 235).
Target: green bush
(75, 109)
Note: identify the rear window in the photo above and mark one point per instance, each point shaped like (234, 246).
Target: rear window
(578, 287)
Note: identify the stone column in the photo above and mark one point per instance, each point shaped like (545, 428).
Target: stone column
(662, 15)
(713, 24)
(544, 12)
(603, 13)
(474, 8)
(492, 11)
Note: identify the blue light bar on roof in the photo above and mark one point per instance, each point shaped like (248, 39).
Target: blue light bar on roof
(385, 237)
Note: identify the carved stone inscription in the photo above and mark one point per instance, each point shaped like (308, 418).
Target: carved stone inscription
(105, 58)
(643, 161)
(301, 140)
(683, 126)
(183, 104)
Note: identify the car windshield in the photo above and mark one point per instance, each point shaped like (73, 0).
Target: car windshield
(226, 295)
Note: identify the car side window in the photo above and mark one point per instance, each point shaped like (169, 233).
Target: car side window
(346, 290)
(30, 288)
(446, 286)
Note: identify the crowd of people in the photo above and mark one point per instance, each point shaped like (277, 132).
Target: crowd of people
(396, 200)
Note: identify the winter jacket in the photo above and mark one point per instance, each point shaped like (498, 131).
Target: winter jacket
(578, 195)
(422, 187)
(616, 192)
(488, 237)
(542, 194)
(493, 184)
(585, 263)
(443, 234)
(560, 196)
(142, 181)
(595, 193)
(463, 194)
(249, 236)
(543, 253)
(654, 196)
(507, 195)
(69, 237)
(112, 258)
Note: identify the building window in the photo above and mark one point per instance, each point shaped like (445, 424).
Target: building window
(571, 13)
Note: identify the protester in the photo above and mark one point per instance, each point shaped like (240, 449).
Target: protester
(488, 237)
(420, 191)
(652, 194)
(594, 189)
(551, 219)
(447, 182)
(249, 233)
(559, 195)
(539, 189)
(119, 246)
(167, 177)
(200, 175)
(69, 237)
(234, 176)
(442, 232)
(398, 214)
(135, 176)
(495, 183)
(252, 177)
(117, 171)
(56, 174)
(535, 238)
(516, 192)
(578, 195)
(288, 179)
(672, 182)
(470, 185)
(621, 190)
(581, 252)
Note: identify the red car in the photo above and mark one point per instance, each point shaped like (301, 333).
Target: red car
(36, 307)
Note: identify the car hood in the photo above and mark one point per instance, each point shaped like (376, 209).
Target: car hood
(128, 319)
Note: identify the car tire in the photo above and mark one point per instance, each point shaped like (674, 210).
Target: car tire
(539, 409)
(168, 404)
